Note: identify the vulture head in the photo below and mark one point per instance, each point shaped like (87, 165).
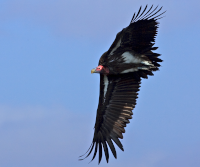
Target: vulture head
(100, 69)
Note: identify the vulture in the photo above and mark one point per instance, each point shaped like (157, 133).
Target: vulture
(121, 68)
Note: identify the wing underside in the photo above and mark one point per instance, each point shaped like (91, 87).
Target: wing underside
(113, 113)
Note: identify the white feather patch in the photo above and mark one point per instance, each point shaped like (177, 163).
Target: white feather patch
(106, 82)
(130, 58)
(148, 63)
(118, 44)
(129, 70)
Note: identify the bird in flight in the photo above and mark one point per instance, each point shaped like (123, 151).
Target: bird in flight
(121, 68)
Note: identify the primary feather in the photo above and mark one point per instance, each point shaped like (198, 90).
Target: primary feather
(129, 59)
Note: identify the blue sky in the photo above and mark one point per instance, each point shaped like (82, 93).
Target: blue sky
(48, 98)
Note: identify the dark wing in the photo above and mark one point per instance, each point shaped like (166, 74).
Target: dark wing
(141, 32)
(117, 99)
(138, 38)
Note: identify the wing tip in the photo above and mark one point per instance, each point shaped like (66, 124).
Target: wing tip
(147, 15)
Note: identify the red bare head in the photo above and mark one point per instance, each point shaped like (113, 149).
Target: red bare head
(100, 69)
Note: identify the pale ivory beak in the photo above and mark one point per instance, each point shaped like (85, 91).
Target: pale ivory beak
(93, 70)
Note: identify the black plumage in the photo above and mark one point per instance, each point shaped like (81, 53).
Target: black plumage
(121, 68)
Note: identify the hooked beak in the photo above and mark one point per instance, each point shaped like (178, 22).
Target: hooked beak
(93, 70)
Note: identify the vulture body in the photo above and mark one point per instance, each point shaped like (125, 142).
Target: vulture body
(121, 68)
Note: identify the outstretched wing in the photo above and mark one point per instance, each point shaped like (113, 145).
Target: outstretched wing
(141, 32)
(133, 42)
(117, 99)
